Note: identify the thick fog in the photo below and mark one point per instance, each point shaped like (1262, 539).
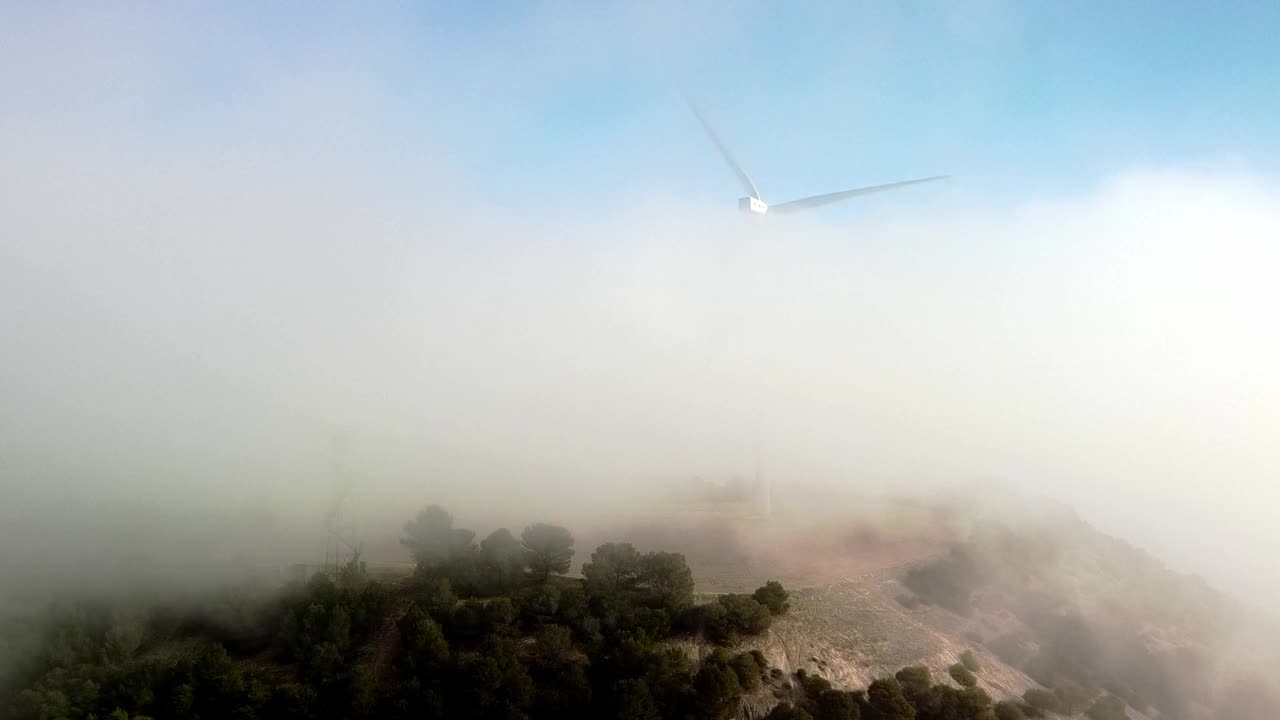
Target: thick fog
(215, 260)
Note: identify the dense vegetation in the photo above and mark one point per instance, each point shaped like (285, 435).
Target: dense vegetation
(487, 629)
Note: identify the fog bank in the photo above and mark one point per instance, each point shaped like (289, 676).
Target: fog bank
(189, 314)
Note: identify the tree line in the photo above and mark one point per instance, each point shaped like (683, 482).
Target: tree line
(483, 629)
(488, 629)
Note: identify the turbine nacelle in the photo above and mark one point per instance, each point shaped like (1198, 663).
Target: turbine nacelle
(753, 206)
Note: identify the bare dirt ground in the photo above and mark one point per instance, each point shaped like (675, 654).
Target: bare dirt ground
(854, 631)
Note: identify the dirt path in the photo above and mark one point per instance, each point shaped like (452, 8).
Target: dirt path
(377, 654)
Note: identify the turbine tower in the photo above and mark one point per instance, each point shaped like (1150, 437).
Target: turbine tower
(755, 205)
(764, 486)
(341, 543)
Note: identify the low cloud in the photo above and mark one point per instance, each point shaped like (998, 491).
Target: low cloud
(187, 319)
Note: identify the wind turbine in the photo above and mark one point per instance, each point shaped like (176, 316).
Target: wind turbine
(756, 205)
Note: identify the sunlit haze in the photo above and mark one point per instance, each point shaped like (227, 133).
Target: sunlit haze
(492, 249)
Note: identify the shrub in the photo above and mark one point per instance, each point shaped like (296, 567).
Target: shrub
(1041, 699)
(812, 685)
(975, 703)
(961, 675)
(717, 691)
(885, 698)
(835, 705)
(745, 615)
(712, 621)
(916, 682)
(1008, 711)
(749, 667)
(537, 605)
(724, 621)
(773, 596)
(970, 661)
(423, 648)
(947, 582)
(435, 596)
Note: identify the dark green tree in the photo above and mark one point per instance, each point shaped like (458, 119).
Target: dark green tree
(717, 688)
(562, 688)
(667, 578)
(435, 597)
(975, 704)
(538, 605)
(916, 682)
(773, 596)
(424, 650)
(550, 549)
(885, 698)
(712, 622)
(634, 701)
(744, 614)
(614, 568)
(503, 560)
(812, 685)
(970, 661)
(473, 620)
(433, 539)
(572, 607)
(749, 667)
(491, 684)
(835, 705)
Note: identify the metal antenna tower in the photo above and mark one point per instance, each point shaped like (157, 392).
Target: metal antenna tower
(341, 544)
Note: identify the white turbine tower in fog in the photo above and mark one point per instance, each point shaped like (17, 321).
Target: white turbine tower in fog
(764, 491)
(756, 205)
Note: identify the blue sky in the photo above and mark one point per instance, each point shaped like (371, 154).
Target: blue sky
(1015, 99)
(551, 104)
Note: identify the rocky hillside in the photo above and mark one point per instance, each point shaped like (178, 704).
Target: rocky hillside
(1043, 601)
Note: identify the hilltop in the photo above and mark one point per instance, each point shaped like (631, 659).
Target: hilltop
(925, 611)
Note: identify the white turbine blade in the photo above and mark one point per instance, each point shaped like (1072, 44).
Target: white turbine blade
(820, 200)
(743, 177)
